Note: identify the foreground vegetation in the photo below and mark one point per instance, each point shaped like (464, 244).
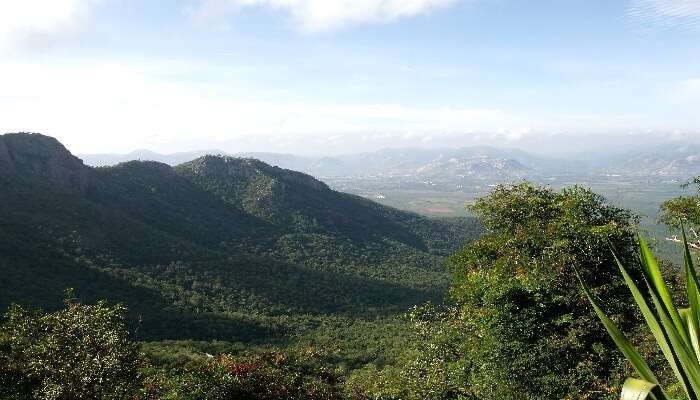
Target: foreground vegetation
(85, 352)
(675, 330)
(516, 327)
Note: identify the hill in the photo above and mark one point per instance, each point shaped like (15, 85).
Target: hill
(661, 160)
(215, 248)
(109, 159)
(680, 161)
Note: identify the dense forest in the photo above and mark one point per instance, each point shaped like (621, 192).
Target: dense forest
(228, 278)
(215, 249)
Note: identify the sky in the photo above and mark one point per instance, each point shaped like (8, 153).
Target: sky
(340, 76)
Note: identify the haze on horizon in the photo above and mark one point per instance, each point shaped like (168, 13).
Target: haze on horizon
(323, 77)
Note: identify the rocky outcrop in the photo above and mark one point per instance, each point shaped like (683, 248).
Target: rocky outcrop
(234, 170)
(480, 166)
(38, 156)
(277, 195)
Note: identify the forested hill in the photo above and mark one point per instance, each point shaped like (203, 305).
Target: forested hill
(217, 247)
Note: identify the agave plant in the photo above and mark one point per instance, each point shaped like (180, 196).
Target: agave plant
(675, 330)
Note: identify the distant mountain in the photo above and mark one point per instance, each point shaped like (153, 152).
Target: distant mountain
(678, 161)
(474, 162)
(102, 160)
(427, 163)
(217, 247)
(482, 167)
(467, 163)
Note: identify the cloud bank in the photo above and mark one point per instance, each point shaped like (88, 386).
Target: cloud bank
(324, 15)
(119, 107)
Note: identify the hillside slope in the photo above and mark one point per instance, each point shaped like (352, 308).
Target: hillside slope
(218, 247)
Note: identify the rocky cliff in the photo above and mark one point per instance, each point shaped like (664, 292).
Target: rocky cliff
(35, 155)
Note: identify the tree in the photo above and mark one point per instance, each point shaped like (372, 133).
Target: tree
(684, 210)
(432, 366)
(525, 326)
(80, 352)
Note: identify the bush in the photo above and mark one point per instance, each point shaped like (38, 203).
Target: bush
(265, 376)
(433, 366)
(80, 352)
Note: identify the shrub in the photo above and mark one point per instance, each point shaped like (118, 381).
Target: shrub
(80, 352)
(267, 376)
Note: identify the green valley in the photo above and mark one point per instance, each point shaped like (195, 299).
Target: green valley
(217, 248)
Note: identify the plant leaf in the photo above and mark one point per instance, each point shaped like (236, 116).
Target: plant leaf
(652, 273)
(636, 389)
(619, 338)
(689, 367)
(655, 326)
(693, 322)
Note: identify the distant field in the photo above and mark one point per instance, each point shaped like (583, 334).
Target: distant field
(645, 198)
(640, 196)
(426, 202)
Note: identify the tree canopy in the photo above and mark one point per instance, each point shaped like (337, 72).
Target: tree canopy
(79, 352)
(528, 332)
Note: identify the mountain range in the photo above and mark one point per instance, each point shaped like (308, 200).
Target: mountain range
(486, 163)
(473, 161)
(217, 247)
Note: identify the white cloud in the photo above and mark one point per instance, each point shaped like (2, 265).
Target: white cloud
(667, 13)
(107, 107)
(111, 107)
(25, 22)
(324, 15)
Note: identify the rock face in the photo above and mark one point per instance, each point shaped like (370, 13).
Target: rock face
(36, 155)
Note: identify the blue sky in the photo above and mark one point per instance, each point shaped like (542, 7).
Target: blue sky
(332, 76)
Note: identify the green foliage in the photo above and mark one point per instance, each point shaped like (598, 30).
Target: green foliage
(351, 343)
(675, 330)
(240, 259)
(219, 255)
(433, 366)
(684, 209)
(519, 330)
(85, 352)
(216, 249)
(80, 352)
(298, 375)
